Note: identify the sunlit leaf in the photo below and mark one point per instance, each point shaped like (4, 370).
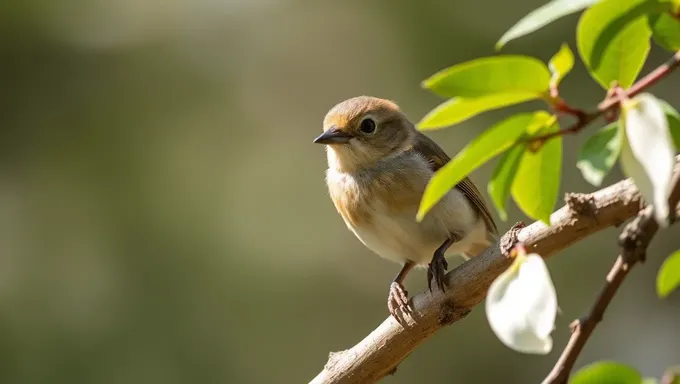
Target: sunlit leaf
(490, 143)
(542, 16)
(606, 372)
(666, 31)
(542, 121)
(613, 39)
(501, 180)
(673, 118)
(460, 109)
(536, 185)
(488, 75)
(561, 64)
(647, 152)
(668, 278)
(599, 153)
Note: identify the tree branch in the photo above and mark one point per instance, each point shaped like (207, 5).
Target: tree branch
(379, 353)
(634, 240)
(608, 105)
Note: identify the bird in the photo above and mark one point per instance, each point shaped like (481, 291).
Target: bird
(379, 165)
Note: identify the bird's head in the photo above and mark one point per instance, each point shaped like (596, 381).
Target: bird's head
(362, 130)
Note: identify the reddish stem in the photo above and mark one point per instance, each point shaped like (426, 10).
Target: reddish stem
(607, 107)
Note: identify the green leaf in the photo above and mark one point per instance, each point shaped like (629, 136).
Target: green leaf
(613, 39)
(503, 175)
(459, 109)
(490, 143)
(599, 153)
(489, 75)
(561, 64)
(668, 278)
(606, 372)
(666, 31)
(542, 16)
(536, 185)
(650, 380)
(673, 118)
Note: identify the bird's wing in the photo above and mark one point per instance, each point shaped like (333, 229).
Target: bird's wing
(438, 158)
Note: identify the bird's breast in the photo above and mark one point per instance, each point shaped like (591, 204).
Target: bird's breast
(379, 206)
(350, 198)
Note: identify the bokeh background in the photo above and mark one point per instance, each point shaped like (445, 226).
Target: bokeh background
(163, 212)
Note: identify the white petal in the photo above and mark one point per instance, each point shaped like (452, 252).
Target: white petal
(521, 306)
(540, 295)
(648, 153)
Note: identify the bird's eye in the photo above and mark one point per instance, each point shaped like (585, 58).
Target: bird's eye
(367, 126)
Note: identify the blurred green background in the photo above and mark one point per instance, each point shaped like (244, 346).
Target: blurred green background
(163, 211)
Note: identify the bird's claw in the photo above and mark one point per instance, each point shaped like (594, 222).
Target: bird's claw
(436, 271)
(397, 302)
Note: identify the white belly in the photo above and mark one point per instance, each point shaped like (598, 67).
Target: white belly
(394, 234)
(401, 238)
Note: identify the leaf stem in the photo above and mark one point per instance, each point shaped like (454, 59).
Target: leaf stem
(608, 105)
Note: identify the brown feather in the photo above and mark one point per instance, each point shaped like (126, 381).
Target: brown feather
(438, 158)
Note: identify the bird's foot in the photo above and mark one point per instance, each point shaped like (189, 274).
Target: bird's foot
(397, 302)
(436, 271)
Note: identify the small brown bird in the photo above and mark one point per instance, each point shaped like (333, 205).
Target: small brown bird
(378, 168)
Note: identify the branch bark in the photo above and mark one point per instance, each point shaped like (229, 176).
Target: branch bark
(634, 240)
(379, 353)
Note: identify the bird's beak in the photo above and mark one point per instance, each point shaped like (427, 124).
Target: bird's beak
(333, 136)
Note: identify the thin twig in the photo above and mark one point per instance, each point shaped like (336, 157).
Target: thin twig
(611, 102)
(634, 240)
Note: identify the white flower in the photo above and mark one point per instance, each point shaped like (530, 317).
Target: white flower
(648, 152)
(521, 305)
